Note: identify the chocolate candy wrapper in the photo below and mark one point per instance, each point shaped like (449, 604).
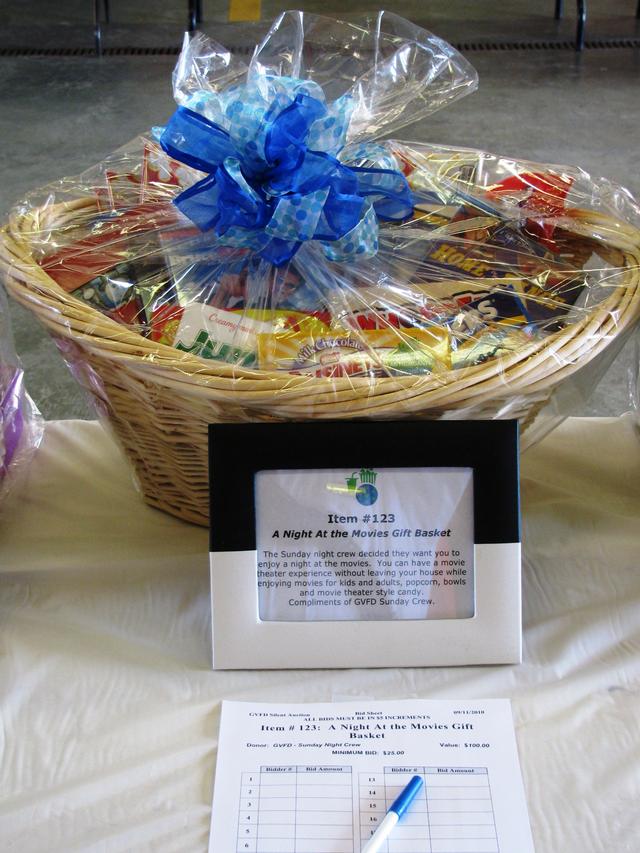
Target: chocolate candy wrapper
(266, 230)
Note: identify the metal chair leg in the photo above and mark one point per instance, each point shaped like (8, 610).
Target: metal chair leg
(199, 11)
(97, 29)
(193, 15)
(558, 15)
(582, 19)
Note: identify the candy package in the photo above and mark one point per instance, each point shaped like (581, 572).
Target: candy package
(270, 251)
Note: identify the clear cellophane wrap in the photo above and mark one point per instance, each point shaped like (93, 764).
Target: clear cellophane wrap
(271, 230)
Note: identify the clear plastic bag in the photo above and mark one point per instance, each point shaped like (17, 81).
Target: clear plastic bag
(20, 422)
(266, 235)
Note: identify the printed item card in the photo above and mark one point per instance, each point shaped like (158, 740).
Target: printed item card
(367, 544)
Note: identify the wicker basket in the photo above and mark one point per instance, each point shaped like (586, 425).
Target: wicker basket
(159, 402)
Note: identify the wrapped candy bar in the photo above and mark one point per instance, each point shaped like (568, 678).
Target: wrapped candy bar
(262, 255)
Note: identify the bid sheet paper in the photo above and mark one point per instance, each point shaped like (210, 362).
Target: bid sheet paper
(319, 778)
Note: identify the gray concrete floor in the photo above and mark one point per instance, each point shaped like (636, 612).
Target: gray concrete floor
(62, 114)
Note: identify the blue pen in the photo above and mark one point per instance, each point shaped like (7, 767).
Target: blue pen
(397, 809)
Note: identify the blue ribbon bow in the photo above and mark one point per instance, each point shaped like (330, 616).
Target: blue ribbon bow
(267, 189)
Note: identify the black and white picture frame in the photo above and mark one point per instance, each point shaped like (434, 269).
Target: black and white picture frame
(365, 544)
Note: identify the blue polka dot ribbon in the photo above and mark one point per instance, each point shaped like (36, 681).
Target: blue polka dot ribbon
(278, 171)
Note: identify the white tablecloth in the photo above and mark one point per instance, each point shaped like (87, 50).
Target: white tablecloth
(110, 711)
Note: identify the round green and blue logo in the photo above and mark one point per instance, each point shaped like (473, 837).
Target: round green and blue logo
(365, 490)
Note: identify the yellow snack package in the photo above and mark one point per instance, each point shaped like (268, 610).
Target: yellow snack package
(316, 348)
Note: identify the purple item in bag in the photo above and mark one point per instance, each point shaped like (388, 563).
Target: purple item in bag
(20, 420)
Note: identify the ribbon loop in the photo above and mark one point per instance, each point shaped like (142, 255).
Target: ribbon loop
(196, 141)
